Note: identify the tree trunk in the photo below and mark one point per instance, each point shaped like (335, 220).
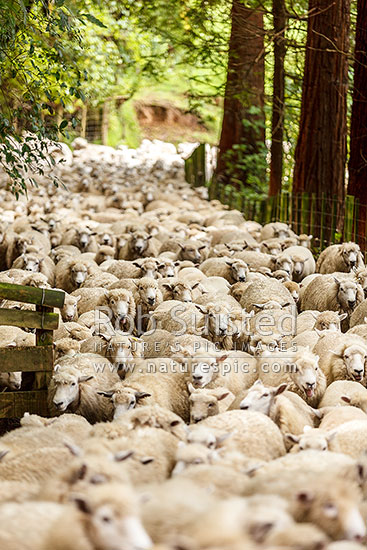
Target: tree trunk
(277, 125)
(358, 132)
(321, 148)
(243, 126)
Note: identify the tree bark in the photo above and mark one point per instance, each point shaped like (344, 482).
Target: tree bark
(320, 155)
(277, 125)
(244, 90)
(358, 131)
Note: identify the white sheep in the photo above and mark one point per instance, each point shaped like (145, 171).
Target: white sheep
(342, 356)
(299, 369)
(75, 384)
(330, 293)
(340, 257)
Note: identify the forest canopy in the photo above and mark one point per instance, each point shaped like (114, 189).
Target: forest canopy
(263, 76)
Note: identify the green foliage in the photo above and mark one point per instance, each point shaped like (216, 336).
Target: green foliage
(39, 69)
(131, 131)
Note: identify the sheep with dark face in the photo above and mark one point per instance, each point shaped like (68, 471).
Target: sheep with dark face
(71, 274)
(140, 245)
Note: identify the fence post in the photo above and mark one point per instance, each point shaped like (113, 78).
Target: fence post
(83, 124)
(348, 218)
(305, 211)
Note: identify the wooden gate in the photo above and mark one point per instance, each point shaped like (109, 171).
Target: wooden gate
(31, 359)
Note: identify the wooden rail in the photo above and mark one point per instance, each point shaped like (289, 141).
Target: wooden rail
(35, 362)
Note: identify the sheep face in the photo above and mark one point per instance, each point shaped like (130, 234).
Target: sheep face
(78, 274)
(139, 241)
(112, 524)
(354, 358)
(31, 263)
(21, 244)
(69, 312)
(192, 454)
(329, 321)
(119, 349)
(239, 271)
(361, 277)
(259, 398)
(106, 239)
(124, 399)
(182, 292)
(167, 269)
(305, 240)
(298, 267)
(311, 439)
(303, 372)
(219, 321)
(120, 301)
(192, 253)
(284, 263)
(67, 389)
(11, 380)
(148, 294)
(205, 403)
(148, 268)
(83, 237)
(202, 371)
(347, 294)
(349, 253)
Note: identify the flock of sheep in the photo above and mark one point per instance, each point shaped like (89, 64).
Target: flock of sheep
(209, 389)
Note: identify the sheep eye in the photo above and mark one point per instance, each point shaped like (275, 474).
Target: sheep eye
(112, 301)
(106, 519)
(73, 383)
(265, 395)
(210, 404)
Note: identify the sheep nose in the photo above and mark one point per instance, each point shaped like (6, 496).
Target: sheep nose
(196, 419)
(59, 404)
(353, 263)
(222, 330)
(358, 374)
(244, 407)
(351, 303)
(310, 386)
(197, 377)
(241, 279)
(151, 300)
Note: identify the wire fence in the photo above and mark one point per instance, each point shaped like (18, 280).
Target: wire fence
(327, 219)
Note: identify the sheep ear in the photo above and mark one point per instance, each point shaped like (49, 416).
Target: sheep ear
(196, 285)
(293, 438)
(3, 453)
(122, 455)
(141, 395)
(82, 505)
(337, 280)
(260, 306)
(168, 285)
(74, 449)
(345, 398)
(85, 378)
(78, 298)
(201, 308)
(147, 460)
(280, 389)
(190, 387)
(106, 292)
(136, 264)
(223, 395)
(202, 247)
(331, 436)
(334, 353)
(222, 358)
(343, 316)
(106, 393)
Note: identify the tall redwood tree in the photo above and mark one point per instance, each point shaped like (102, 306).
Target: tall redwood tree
(321, 150)
(358, 132)
(243, 125)
(277, 123)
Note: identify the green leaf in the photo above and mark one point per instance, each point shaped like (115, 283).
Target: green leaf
(63, 124)
(93, 19)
